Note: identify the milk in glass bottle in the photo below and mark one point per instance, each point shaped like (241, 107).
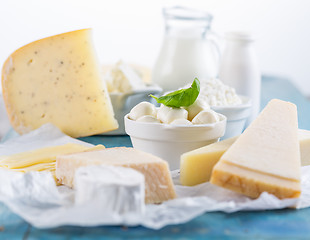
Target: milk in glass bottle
(188, 49)
(239, 68)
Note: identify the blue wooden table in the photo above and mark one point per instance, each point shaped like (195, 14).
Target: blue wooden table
(279, 224)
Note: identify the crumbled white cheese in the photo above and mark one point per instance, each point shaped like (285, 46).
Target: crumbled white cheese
(122, 78)
(215, 93)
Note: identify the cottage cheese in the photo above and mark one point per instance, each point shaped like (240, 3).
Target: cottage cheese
(215, 93)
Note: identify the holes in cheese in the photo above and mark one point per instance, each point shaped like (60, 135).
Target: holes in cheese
(57, 79)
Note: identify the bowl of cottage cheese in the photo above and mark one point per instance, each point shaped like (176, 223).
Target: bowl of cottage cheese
(223, 99)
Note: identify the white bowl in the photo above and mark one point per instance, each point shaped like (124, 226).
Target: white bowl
(123, 102)
(236, 117)
(169, 142)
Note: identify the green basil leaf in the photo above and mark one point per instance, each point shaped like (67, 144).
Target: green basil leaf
(182, 97)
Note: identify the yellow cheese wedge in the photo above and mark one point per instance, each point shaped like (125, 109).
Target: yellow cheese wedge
(265, 157)
(158, 182)
(57, 79)
(197, 165)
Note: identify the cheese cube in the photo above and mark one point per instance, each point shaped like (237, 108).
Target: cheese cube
(57, 79)
(158, 182)
(196, 166)
(265, 157)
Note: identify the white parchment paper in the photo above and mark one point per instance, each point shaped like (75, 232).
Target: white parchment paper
(35, 197)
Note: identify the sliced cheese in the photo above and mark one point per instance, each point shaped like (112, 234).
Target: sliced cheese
(158, 182)
(57, 79)
(265, 157)
(196, 166)
(43, 158)
(37, 167)
(39, 156)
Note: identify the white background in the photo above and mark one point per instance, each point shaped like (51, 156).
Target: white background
(132, 30)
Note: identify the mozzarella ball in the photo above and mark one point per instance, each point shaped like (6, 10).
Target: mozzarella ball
(181, 121)
(148, 118)
(142, 109)
(198, 106)
(205, 117)
(168, 114)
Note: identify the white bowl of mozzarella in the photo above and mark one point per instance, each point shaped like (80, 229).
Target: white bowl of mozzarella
(169, 132)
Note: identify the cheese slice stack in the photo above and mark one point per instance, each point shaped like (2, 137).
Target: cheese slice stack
(57, 79)
(158, 182)
(265, 157)
(42, 159)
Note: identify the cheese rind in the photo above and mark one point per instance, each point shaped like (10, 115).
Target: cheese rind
(158, 182)
(252, 183)
(265, 156)
(57, 79)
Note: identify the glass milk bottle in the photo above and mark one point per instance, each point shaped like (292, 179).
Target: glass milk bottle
(187, 51)
(239, 68)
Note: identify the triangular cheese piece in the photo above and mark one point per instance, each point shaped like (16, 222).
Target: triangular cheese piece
(266, 157)
(57, 80)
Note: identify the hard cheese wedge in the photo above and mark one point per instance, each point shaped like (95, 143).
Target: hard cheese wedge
(158, 182)
(57, 79)
(197, 165)
(265, 157)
